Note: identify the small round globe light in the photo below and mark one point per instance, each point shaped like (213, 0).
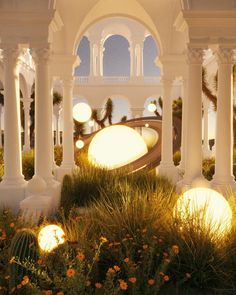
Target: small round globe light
(91, 123)
(82, 112)
(79, 144)
(50, 237)
(147, 125)
(115, 146)
(152, 107)
(206, 208)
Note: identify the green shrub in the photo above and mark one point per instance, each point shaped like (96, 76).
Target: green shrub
(58, 154)
(177, 158)
(28, 164)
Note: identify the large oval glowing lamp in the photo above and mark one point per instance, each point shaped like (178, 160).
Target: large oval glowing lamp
(207, 208)
(116, 146)
(50, 237)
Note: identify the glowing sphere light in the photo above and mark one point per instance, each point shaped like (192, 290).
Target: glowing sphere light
(82, 112)
(152, 107)
(50, 237)
(207, 208)
(79, 144)
(115, 146)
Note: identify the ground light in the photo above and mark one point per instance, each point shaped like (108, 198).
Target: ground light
(82, 112)
(152, 107)
(115, 146)
(207, 208)
(79, 144)
(50, 237)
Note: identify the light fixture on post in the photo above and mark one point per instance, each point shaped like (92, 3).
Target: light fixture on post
(79, 144)
(152, 107)
(50, 237)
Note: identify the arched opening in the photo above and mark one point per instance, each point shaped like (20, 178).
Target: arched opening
(83, 52)
(116, 56)
(150, 53)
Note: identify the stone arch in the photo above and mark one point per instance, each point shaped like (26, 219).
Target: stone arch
(104, 9)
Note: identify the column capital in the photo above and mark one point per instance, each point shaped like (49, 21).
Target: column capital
(11, 53)
(67, 81)
(195, 55)
(41, 54)
(224, 55)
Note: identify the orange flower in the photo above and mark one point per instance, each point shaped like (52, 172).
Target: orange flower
(167, 261)
(188, 275)
(116, 268)
(47, 292)
(60, 293)
(98, 285)
(145, 247)
(161, 273)
(12, 224)
(123, 285)
(70, 272)
(110, 270)
(165, 254)
(175, 249)
(151, 282)
(2, 235)
(7, 277)
(132, 280)
(126, 260)
(166, 278)
(18, 286)
(88, 283)
(25, 280)
(40, 261)
(80, 256)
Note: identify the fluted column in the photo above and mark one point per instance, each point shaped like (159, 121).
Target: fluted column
(184, 124)
(68, 125)
(224, 123)
(193, 163)
(139, 59)
(43, 115)
(206, 150)
(166, 166)
(12, 127)
(26, 107)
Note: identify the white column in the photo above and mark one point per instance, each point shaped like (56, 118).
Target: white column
(166, 166)
(93, 59)
(139, 59)
(132, 60)
(1, 126)
(57, 111)
(184, 125)
(101, 54)
(224, 123)
(12, 127)
(26, 106)
(43, 116)
(193, 161)
(68, 162)
(206, 150)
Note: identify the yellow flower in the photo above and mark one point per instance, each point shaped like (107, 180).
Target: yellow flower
(123, 285)
(132, 280)
(116, 268)
(126, 260)
(12, 260)
(80, 256)
(151, 282)
(98, 285)
(70, 272)
(175, 249)
(103, 240)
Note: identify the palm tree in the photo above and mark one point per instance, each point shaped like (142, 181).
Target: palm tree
(57, 99)
(107, 115)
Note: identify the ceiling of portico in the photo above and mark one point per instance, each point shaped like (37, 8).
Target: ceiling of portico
(156, 16)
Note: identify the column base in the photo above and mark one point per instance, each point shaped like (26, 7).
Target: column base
(12, 194)
(61, 171)
(169, 171)
(225, 187)
(187, 183)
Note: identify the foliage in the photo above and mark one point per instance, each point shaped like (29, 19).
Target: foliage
(177, 158)
(58, 154)
(177, 108)
(107, 115)
(28, 164)
(57, 98)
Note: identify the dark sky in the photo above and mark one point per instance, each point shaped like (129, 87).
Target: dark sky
(116, 57)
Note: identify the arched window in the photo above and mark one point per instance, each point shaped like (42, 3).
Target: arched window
(150, 52)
